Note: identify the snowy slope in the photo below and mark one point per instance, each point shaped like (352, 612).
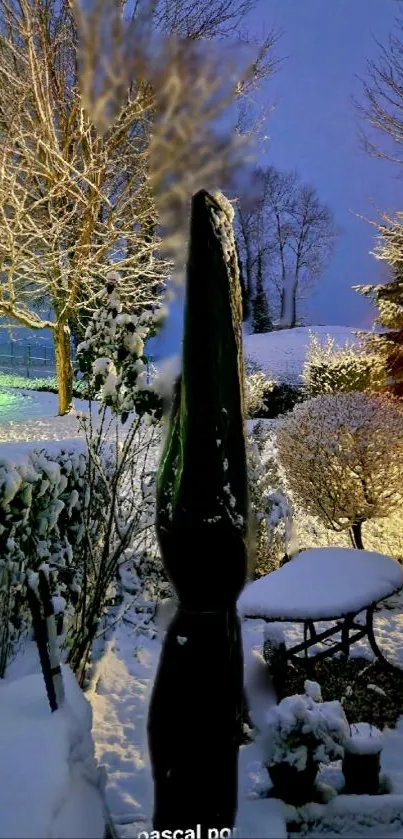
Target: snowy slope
(281, 354)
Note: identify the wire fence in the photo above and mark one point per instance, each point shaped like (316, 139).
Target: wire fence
(34, 361)
(27, 360)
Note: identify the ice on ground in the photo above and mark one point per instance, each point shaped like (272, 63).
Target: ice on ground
(49, 781)
(281, 354)
(321, 584)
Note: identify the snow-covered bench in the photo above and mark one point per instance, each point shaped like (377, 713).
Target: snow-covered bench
(325, 584)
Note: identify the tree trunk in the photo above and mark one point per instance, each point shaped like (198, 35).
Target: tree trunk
(356, 535)
(64, 367)
(288, 308)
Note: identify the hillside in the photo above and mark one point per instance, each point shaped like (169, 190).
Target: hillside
(281, 354)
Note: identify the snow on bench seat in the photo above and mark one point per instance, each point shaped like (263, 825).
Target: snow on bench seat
(322, 584)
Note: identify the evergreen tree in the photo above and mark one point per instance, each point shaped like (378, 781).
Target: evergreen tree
(262, 321)
(388, 298)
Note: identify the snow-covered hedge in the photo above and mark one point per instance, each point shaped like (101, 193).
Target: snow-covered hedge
(41, 502)
(331, 369)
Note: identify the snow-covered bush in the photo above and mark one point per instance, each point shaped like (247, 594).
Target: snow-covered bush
(271, 529)
(343, 458)
(112, 358)
(302, 728)
(41, 505)
(331, 369)
(267, 398)
(121, 445)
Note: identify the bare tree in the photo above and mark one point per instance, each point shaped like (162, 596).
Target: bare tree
(284, 227)
(381, 105)
(102, 140)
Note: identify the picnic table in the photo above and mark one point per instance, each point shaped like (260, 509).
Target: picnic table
(325, 584)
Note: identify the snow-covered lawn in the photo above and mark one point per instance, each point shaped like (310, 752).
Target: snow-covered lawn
(281, 354)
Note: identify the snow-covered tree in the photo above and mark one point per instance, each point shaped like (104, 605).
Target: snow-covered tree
(102, 142)
(343, 458)
(112, 356)
(388, 298)
(262, 321)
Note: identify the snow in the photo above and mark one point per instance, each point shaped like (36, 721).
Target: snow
(274, 633)
(325, 722)
(281, 354)
(355, 816)
(120, 693)
(321, 584)
(365, 739)
(49, 782)
(48, 426)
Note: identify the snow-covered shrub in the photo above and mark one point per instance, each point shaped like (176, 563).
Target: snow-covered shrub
(267, 398)
(112, 358)
(257, 385)
(121, 445)
(343, 458)
(303, 727)
(331, 369)
(271, 529)
(41, 503)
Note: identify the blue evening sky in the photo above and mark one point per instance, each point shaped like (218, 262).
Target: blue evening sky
(313, 129)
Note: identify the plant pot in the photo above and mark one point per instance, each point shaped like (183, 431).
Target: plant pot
(362, 760)
(293, 786)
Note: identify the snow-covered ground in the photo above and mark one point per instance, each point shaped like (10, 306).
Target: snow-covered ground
(281, 354)
(47, 425)
(119, 696)
(50, 785)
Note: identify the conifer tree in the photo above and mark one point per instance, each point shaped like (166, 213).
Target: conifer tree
(261, 316)
(388, 298)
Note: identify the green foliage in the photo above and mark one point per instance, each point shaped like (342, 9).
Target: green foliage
(329, 369)
(48, 385)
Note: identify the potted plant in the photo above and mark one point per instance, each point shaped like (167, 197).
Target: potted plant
(301, 732)
(362, 759)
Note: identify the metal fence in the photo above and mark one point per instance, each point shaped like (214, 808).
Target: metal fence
(28, 360)
(36, 360)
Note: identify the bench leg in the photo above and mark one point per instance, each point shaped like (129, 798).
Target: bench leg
(345, 638)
